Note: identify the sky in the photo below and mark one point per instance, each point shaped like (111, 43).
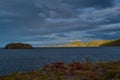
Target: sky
(51, 22)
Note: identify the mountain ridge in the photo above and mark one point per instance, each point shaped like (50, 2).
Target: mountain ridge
(94, 43)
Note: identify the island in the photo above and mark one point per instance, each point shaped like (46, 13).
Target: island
(18, 46)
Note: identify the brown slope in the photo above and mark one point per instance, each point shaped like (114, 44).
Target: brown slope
(112, 43)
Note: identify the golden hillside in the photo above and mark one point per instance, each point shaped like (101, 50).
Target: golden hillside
(95, 43)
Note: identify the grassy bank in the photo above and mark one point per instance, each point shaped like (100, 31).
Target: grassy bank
(73, 71)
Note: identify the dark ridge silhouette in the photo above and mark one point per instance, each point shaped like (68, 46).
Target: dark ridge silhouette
(18, 46)
(112, 43)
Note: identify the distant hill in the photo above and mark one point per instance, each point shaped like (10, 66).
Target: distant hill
(112, 43)
(73, 44)
(95, 43)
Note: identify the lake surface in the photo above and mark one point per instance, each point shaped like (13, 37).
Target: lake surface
(33, 59)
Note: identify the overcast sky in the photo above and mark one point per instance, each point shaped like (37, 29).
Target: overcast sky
(50, 22)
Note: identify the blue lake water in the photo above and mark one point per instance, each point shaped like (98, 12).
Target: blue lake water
(23, 60)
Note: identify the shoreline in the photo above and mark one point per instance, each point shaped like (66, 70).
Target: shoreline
(67, 47)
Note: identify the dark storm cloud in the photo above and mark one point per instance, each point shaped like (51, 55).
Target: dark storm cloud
(106, 31)
(114, 19)
(62, 35)
(111, 32)
(19, 12)
(28, 18)
(105, 36)
(90, 3)
(117, 29)
(67, 8)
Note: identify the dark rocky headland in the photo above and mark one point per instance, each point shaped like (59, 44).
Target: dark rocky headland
(18, 46)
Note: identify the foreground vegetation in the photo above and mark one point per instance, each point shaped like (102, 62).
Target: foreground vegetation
(73, 71)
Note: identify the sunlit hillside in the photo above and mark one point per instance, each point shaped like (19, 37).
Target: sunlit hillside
(112, 43)
(95, 43)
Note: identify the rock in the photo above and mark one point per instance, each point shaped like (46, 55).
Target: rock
(18, 46)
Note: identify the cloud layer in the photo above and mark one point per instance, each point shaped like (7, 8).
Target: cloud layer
(49, 22)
